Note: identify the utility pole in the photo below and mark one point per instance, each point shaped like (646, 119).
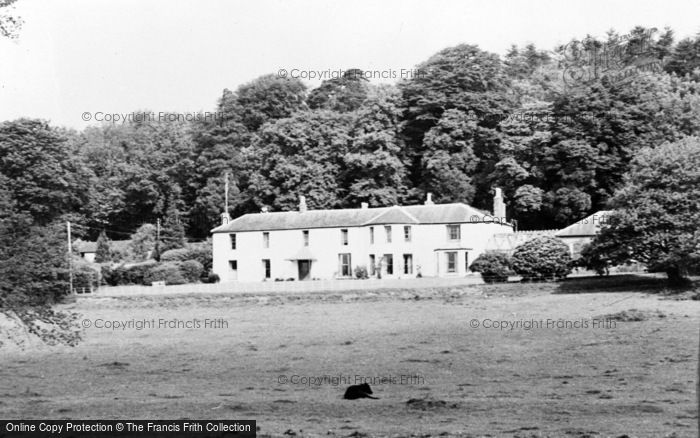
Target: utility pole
(226, 193)
(158, 237)
(70, 258)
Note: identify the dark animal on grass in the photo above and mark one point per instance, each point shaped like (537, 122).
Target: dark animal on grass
(358, 391)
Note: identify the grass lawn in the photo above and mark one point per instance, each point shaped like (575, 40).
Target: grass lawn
(435, 358)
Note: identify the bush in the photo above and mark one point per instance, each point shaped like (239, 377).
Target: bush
(85, 275)
(169, 272)
(542, 258)
(192, 270)
(361, 272)
(126, 274)
(176, 255)
(200, 252)
(213, 278)
(494, 267)
(111, 276)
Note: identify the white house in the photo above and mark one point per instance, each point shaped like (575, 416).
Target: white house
(581, 233)
(390, 242)
(87, 250)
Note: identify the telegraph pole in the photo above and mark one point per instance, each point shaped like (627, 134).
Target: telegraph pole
(226, 193)
(70, 258)
(158, 238)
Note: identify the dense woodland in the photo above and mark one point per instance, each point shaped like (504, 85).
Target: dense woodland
(350, 141)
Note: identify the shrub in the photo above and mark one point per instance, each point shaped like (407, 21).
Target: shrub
(136, 273)
(85, 275)
(361, 272)
(175, 255)
(542, 258)
(111, 275)
(192, 270)
(126, 274)
(169, 272)
(213, 278)
(196, 251)
(494, 267)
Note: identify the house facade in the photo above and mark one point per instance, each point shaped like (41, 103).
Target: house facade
(581, 233)
(389, 242)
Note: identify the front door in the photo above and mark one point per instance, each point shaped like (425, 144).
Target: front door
(304, 269)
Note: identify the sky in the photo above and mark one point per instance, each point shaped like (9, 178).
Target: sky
(117, 57)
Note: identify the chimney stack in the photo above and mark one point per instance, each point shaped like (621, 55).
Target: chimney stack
(264, 210)
(364, 205)
(225, 218)
(429, 199)
(499, 207)
(302, 204)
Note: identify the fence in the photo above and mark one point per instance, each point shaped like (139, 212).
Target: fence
(289, 286)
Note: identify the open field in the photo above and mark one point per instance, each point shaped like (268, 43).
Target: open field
(621, 377)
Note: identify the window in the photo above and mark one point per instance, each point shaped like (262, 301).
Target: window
(407, 233)
(371, 235)
(344, 260)
(466, 261)
(387, 230)
(233, 264)
(266, 240)
(453, 232)
(451, 261)
(233, 241)
(389, 259)
(266, 268)
(408, 264)
(372, 262)
(305, 233)
(344, 237)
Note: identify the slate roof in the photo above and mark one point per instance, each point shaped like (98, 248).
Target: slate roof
(589, 226)
(353, 217)
(84, 246)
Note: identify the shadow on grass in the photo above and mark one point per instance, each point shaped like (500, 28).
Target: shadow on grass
(622, 284)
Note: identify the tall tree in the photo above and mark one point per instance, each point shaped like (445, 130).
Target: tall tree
(685, 57)
(43, 177)
(268, 98)
(172, 235)
(448, 161)
(103, 253)
(374, 170)
(300, 155)
(343, 94)
(462, 78)
(656, 212)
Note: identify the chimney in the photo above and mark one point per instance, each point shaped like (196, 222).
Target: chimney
(264, 210)
(225, 218)
(429, 199)
(364, 206)
(499, 207)
(302, 204)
